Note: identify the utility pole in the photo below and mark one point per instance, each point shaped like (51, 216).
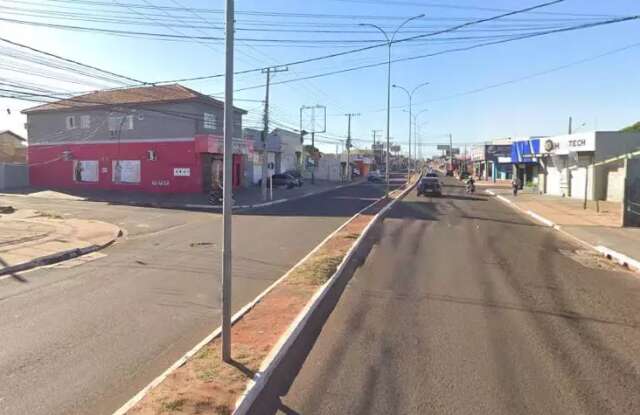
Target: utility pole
(451, 151)
(349, 115)
(226, 199)
(570, 125)
(375, 148)
(265, 131)
(314, 131)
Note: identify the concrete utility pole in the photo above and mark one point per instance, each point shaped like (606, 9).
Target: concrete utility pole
(349, 115)
(226, 199)
(265, 130)
(375, 151)
(389, 44)
(570, 125)
(451, 151)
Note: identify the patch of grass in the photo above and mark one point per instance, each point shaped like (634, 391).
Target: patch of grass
(207, 375)
(352, 236)
(49, 215)
(171, 406)
(317, 270)
(222, 410)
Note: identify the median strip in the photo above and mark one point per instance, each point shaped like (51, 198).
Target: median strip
(202, 383)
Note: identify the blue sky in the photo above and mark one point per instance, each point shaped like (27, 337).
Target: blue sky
(600, 93)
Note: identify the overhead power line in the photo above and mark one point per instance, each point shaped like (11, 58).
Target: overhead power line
(20, 45)
(460, 49)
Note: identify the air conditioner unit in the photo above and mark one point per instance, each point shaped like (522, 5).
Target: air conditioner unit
(152, 155)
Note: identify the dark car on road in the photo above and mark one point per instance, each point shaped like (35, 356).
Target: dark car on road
(431, 174)
(375, 177)
(429, 186)
(282, 180)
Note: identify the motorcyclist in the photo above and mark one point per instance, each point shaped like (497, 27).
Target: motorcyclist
(471, 187)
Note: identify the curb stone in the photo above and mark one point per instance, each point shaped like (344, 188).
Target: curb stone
(279, 351)
(237, 316)
(58, 256)
(609, 253)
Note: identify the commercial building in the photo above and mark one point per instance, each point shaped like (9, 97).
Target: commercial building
(153, 139)
(576, 165)
(492, 161)
(525, 158)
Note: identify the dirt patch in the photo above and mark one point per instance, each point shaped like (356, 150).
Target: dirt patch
(594, 260)
(207, 385)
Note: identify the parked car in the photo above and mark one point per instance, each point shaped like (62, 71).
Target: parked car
(374, 177)
(429, 185)
(449, 173)
(464, 175)
(296, 175)
(431, 174)
(282, 180)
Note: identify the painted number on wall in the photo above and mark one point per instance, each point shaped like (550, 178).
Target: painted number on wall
(181, 171)
(160, 182)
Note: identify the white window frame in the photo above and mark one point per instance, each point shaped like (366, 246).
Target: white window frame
(115, 121)
(118, 180)
(210, 122)
(70, 122)
(85, 121)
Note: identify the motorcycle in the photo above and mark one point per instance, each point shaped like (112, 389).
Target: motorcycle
(471, 188)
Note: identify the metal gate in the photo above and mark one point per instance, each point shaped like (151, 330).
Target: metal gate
(631, 215)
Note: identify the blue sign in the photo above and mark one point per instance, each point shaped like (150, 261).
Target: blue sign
(525, 151)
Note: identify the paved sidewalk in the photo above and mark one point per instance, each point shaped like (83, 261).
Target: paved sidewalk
(29, 238)
(243, 197)
(597, 228)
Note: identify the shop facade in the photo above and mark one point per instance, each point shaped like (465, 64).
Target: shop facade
(575, 165)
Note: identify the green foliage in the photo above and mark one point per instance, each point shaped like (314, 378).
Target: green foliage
(635, 128)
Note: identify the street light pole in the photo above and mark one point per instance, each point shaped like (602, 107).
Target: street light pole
(410, 95)
(226, 199)
(389, 44)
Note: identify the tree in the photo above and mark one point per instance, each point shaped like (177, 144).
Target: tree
(635, 128)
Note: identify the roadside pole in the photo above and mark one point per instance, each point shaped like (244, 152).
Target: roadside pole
(349, 115)
(451, 152)
(226, 199)
(265, 130)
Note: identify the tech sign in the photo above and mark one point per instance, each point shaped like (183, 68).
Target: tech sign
(565, 144)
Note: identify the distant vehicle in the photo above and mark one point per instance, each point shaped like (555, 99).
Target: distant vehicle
(429, 185)
(431, 174)
(464, 175)
(282, 180)
(374, 177)
(296, 175)
(449, 173)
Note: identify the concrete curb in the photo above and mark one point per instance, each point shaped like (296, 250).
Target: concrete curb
(609, 253)
(237, 316)
(58, 256)
(286, 341)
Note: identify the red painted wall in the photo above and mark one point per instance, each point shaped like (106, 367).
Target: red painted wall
(48, 169)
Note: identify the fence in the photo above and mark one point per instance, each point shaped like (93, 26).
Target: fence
(13, 176)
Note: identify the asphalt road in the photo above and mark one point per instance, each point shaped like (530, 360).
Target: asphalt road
(465, 307)
(84, 339)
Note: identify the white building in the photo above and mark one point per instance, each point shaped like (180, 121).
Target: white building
(290, 150)
(568, 162)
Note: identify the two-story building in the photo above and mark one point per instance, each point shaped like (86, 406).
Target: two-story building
(12, 147)
(154, 139)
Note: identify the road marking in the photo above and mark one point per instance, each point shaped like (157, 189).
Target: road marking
(237, 316)
(540, 218)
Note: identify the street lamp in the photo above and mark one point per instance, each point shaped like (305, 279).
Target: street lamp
(410, 95)
(415, 130)
(389, 43)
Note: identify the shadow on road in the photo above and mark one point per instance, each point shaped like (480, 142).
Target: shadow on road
(269, 401)
(14, 275)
